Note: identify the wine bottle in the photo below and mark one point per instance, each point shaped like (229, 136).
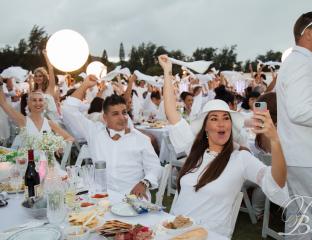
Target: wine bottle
(32, 179)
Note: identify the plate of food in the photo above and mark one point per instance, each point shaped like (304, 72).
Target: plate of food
(156, 125)
(5, 151)
(80, 218)
(122, 230)
(7, 187)
(177, 225)
(123, 209)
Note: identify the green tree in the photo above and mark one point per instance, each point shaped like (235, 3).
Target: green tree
(22, 47)
(104, 57)
(135, 62)
(121, 53)
(37, 40)
(225, 59)
(204, 54)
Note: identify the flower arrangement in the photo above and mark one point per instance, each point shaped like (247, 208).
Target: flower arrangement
(47, 142)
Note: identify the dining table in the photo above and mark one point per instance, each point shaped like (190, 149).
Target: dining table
(14, 215)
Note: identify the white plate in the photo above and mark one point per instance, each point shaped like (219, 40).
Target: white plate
(38, 233)
(124, 210)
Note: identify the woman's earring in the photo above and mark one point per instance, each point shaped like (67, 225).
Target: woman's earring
(207, 135)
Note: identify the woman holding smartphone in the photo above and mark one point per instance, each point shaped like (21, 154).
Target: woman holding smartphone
(214, 172)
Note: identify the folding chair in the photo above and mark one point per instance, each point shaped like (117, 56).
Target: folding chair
(266, 230)
(66, 155)
(235, 210)
(248, 209)
(163, 184)
(83, 154)
(174, 162)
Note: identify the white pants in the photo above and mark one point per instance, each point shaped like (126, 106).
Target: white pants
(299, 181)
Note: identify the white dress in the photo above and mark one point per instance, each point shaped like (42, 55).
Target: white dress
(211, 206)
(32, 130)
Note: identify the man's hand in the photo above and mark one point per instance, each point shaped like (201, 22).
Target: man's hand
(133, 78)
(90, 81)
(139, 190)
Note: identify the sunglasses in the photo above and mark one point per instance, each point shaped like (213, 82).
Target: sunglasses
(310, 24)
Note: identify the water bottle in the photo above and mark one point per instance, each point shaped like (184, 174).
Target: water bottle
(100, 176)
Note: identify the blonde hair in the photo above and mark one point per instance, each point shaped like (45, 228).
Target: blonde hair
(45, 83)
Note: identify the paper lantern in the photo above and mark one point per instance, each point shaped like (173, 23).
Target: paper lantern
(97, 68)
(286, 53)
(67, 50)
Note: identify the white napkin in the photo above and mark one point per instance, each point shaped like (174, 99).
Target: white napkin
(198, 66)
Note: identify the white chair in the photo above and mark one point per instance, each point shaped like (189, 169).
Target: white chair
(266, 230)
(235, 210)
(83, 153)
(248, 209)
(163, 184)
(66, 155)
(174, 162)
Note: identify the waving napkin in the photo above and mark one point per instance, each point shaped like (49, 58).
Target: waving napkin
(152, 80)
(198, 66)
(18, 73)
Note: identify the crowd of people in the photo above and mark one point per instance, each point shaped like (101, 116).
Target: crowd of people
(208, 121)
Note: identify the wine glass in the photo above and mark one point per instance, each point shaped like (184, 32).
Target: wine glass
(21, 163)
(15, 179)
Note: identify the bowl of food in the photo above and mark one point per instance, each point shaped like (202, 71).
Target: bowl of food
(179, 223)
(76, 233)
(35, 207)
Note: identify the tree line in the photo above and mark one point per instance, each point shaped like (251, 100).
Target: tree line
(28, 54)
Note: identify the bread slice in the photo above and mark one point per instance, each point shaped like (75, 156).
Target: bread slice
(195, 234)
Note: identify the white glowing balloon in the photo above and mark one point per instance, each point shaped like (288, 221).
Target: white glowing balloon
(286, 53)
(97, 68)
(67, 50)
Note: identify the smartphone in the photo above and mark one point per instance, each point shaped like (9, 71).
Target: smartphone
(260, 106)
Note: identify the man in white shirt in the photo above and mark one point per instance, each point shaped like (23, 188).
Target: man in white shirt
(154, 106)
(131, 162)
(294, 123)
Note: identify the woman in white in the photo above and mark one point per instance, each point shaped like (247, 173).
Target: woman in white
(34, 123)
(214, 172)
(44, 82)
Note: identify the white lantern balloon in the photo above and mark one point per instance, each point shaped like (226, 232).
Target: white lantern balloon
(97, 68)
(286, 53)
(67, 50)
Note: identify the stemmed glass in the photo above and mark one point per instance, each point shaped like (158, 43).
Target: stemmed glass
(15, 179)
(87, 172)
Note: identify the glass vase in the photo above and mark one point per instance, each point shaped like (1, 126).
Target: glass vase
(54, 191)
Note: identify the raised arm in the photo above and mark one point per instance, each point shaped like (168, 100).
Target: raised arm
(128, 91)
(51, 88)
(168, 92)
(16, 116)
(89, 82)
(60, 131)
(264, 124)
(273, 82)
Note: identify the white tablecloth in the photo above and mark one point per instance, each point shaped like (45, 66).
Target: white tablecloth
(13, 215)
(159, 134)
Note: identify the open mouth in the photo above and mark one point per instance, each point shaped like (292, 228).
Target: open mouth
(221, 133)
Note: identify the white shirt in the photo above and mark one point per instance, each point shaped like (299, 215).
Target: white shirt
(294, 107)
(128, 160)
(150, 108)
(211, 206)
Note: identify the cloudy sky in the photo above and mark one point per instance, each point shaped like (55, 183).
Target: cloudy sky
(254, 25)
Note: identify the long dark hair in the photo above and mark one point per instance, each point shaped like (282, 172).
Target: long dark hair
(195, 158)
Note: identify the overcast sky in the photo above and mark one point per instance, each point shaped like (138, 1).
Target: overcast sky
(254, 25)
